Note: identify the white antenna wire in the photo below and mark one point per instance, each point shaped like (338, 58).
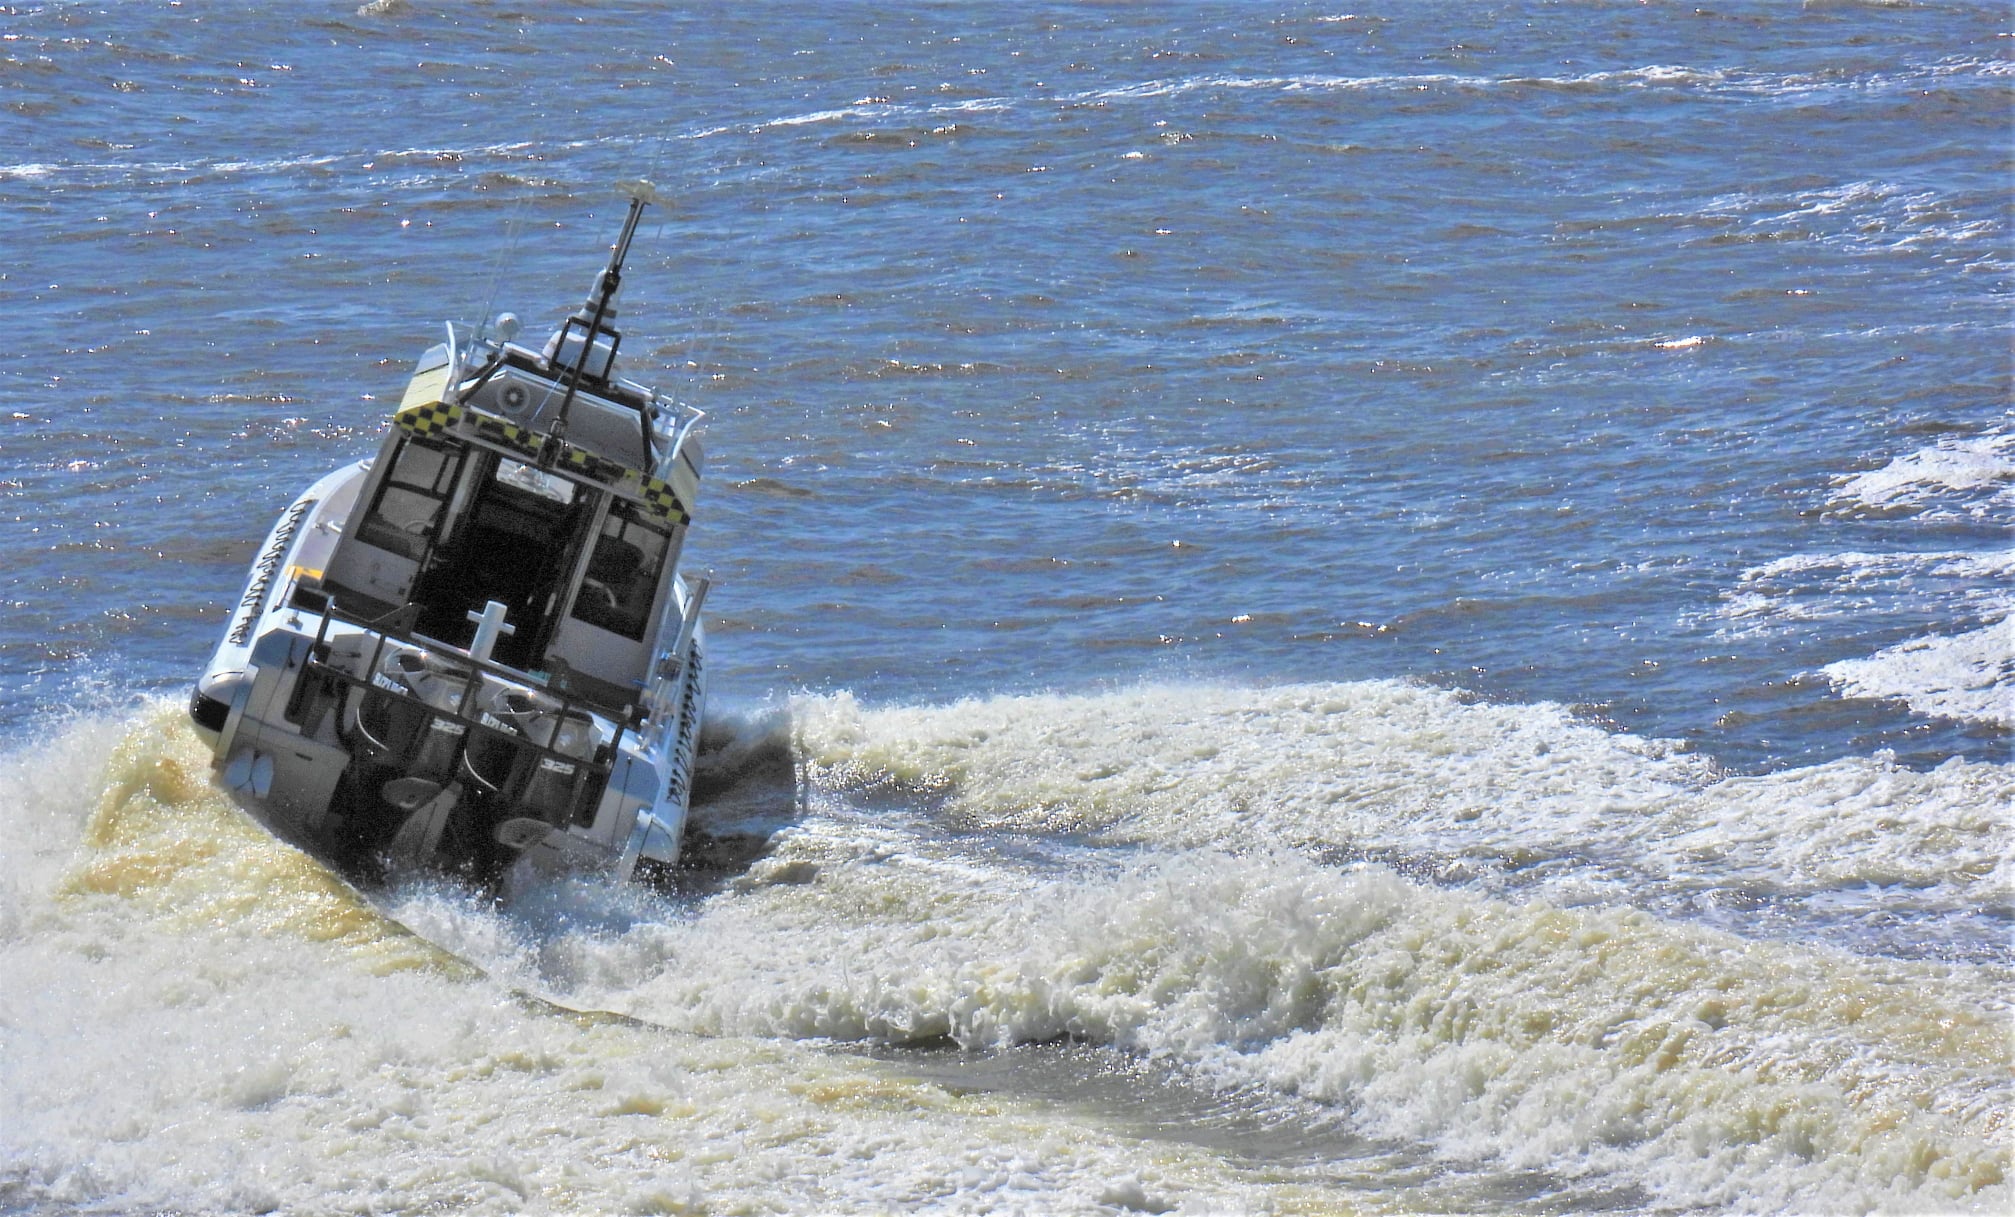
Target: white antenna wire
(709, 344)
(513, 227)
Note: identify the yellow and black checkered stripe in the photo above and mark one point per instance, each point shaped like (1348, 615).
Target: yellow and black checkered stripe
(435, 418)
(658, 497)
(428, 419)
(588, 465)
(509, 435)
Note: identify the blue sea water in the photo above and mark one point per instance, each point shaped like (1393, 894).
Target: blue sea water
(1381, 511)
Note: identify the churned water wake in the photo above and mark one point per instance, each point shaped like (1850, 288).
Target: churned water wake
(199, 1019)
(1398, 611)
(1334, 933)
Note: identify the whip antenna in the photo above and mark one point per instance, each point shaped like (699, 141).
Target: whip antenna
(594, 320)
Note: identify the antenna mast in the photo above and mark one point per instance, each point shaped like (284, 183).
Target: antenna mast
(602, 300)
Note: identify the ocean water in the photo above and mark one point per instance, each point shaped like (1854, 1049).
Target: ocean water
(1319, 609)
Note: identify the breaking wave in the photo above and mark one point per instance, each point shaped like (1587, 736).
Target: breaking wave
(1486, 930)
(197, 1018)
(1481, 931)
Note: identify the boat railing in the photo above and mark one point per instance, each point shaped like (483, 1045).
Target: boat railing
(688, 424)
(455, 350)
(415, 708)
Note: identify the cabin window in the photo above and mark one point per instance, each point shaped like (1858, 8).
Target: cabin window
(514, 542)
(622, 578)
(409, 503)
(535, 481)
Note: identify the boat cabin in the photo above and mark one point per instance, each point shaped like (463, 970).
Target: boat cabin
(534, 484)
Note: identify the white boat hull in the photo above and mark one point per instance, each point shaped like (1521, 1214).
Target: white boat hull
(474, 653)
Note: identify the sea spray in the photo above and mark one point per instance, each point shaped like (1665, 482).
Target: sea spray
(196, 1017)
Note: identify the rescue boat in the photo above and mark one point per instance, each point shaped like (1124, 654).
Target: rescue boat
(474, 653)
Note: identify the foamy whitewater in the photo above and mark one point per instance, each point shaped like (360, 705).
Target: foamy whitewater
(1317, 611)
(1575, 1036)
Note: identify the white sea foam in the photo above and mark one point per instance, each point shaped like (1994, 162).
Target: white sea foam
(1866, 587)
(1583, 1042)
(1870, 215)
(1140, 870)
(1964, 671)
(1676, 77)
(1970, 676)
(1386, 768)
(813, 117)
(1973, 476)
(199, 1019)
(1580, 1040)
(880, 111)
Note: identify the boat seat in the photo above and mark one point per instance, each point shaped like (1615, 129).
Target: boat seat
(615, 561)
(610, 571)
